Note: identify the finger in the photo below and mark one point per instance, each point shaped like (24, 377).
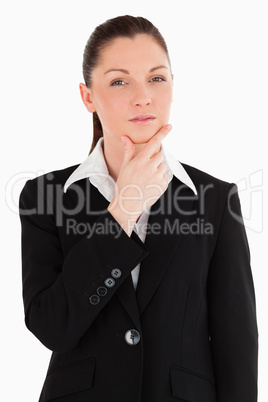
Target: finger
(154, 143)
(129, 149)
(157, 158)
(162, 168)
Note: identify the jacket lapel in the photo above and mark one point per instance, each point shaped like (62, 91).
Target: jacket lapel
(127, 297)
(173, 209)
(94, 201)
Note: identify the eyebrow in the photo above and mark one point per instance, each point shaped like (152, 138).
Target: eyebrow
(122, 70)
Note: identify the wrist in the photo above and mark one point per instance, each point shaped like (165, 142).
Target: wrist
(126, 221)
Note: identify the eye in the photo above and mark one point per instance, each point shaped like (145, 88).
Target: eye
(118, 83)
(158, 79)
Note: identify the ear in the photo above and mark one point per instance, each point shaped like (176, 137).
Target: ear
(87, 98)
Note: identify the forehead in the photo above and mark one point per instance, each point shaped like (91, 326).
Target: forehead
(125, 52)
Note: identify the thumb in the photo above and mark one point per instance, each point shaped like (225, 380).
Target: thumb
(129, 149)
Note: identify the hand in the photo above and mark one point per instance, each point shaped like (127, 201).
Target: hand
(141, 181)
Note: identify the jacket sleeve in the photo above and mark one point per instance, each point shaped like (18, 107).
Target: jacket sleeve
(57, 291)
(232, 311)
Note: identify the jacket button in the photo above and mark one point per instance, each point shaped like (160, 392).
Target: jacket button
(132, 337)
(102, 291)
(94, 299)
(116, 273)
(109, 282)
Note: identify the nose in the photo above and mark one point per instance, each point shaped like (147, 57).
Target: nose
(142, 97)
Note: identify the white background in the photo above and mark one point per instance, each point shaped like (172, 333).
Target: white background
(219, 58)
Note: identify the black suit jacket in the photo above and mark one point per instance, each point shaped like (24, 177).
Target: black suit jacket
(194, 307)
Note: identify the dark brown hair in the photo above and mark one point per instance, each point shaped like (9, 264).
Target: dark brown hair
(123, 26)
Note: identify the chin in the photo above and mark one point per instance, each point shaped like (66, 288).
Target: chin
(143, 137)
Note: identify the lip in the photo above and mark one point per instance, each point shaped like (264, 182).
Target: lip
(143, 119)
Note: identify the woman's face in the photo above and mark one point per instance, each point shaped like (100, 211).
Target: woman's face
(132, 88)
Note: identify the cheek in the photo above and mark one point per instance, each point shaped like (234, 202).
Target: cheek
(106, 106)
(117, 102)
(166, 97)
(110, 110)
(113, 108)
(164, 103)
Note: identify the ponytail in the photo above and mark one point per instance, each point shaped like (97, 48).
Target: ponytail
(97, 131)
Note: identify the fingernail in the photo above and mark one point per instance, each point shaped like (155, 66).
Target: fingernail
(123, 139)
(169, 127)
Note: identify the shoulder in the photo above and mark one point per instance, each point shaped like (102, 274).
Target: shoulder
(56, 176)
(198, 176)
(201, 179)
(213, 192)
(45, 181)
(217, 198)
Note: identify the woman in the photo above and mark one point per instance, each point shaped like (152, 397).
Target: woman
(136, 269)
